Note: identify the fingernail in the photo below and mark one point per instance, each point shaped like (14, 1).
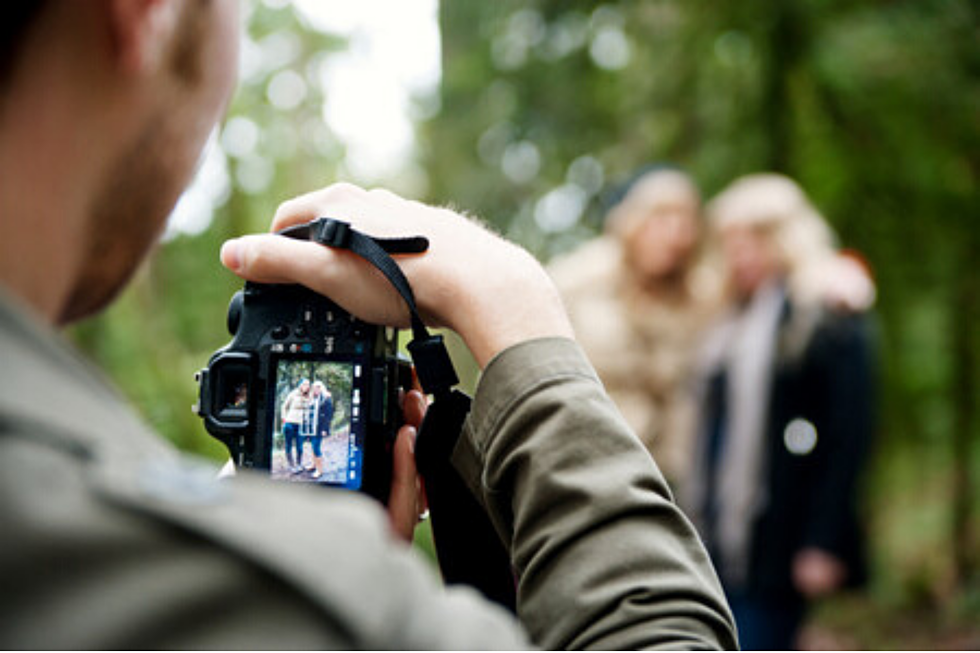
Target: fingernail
(412, 434)
(231, 255)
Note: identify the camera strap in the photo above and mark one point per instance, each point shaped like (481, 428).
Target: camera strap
(432, 363)
(468, 547)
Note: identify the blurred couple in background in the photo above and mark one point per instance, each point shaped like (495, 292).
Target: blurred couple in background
(735, 339)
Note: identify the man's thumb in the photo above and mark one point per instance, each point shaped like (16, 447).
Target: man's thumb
(269, 258)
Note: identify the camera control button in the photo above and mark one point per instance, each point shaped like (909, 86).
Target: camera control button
(281, 332)
(235, 312)
(301, 331)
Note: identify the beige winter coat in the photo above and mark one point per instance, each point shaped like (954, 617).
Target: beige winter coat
(642, 346)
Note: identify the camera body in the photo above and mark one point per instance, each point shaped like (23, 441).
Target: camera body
(305, 391)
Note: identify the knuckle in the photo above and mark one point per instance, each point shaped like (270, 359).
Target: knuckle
(381, 193)
(285, 208)
(255, 258)
(341, 191)
(284, 212)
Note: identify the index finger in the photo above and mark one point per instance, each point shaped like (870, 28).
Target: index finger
(414, 408)
(302, 209)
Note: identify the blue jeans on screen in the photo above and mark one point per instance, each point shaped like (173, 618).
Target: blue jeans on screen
(293, 441)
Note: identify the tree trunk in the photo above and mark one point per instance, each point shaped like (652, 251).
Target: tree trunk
(965, 313)
(786, 42)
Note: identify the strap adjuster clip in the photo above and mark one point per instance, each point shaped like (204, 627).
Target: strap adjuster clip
(332, 233)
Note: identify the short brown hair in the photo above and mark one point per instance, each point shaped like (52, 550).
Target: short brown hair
(16, 19)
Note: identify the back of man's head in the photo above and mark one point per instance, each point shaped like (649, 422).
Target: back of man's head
(104, 109)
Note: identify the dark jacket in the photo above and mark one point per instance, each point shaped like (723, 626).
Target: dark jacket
(324, 418)
(816, 432)
(813, 494)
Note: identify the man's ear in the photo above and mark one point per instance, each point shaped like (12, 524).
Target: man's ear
(141, 32)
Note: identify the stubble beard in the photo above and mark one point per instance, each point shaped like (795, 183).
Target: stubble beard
(129, 212)
(125, 221)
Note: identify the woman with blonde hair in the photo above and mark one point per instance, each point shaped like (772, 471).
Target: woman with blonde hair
(638, 298)
(786, 399)
(293, 415)
(322, 410)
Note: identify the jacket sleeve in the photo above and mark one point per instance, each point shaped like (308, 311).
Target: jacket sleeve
(603, 556)
(845, 432)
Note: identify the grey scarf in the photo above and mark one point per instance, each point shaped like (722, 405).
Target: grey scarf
(745, 343)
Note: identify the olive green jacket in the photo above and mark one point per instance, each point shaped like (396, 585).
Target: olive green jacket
(112, 539)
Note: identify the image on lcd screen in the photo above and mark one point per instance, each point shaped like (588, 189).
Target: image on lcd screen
(316, 423)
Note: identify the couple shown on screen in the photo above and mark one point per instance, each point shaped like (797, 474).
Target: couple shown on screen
(306, 415)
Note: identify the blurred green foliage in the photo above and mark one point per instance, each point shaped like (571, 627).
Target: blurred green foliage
(547, 106)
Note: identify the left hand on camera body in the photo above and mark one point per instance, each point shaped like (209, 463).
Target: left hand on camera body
(407, 503)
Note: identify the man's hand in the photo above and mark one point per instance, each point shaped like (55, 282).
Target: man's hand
(407, 501)
(817, 573)
(491, 292)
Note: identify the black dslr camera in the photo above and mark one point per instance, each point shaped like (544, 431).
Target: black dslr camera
(310, 394)
(305, 391)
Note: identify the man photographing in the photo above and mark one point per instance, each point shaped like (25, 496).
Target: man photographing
(113, 540)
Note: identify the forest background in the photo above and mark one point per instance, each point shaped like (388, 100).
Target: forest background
(544, 108)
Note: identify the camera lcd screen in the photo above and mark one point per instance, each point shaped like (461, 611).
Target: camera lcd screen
(318, 433)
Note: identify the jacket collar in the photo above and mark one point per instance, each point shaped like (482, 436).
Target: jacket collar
(48, 388)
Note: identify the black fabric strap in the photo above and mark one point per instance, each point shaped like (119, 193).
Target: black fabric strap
(435, 369)
(339, 235)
